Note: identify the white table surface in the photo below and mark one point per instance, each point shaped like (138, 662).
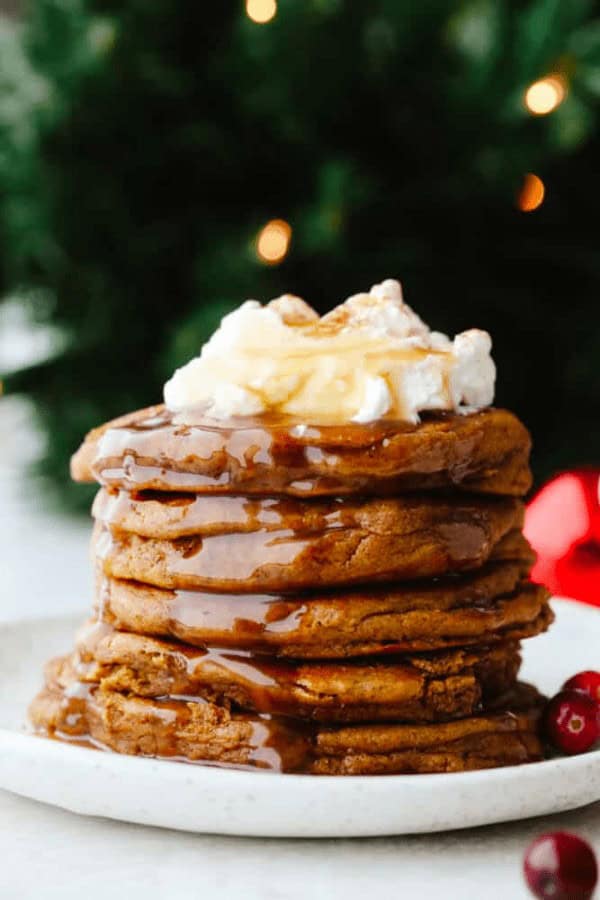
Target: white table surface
(54, 855)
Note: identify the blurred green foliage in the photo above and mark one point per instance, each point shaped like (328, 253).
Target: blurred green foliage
(144, 144)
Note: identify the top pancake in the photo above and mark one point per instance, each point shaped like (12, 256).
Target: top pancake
(486, 452)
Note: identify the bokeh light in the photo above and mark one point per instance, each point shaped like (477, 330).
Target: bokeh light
(543, 96)
(261, 11)
(273, 241)
(531, 194)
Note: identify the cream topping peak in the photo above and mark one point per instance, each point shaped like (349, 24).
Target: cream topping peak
(371, 357)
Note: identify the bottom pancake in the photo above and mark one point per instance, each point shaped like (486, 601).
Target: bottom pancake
(204, 732)
(413, 688)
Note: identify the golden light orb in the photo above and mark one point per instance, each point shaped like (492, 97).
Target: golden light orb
(261, 11)
(543, 96)
(273, 241)
(531, 194)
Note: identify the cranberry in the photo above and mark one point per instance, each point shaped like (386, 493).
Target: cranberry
(572, 722)
(560, 866)
(588, 682)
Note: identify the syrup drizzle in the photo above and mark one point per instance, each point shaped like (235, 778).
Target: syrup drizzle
(314, 621)
(262, 683)
(270, 744)
(286, 560)
(176, 514)
(264, 455)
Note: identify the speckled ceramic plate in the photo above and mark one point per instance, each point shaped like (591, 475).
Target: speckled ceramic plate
(203, 799)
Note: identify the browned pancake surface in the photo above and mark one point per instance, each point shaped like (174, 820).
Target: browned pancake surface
(202, 731)
(427, 540)
(169, 516)
(484, 607)
(415, 688)
(487, 451)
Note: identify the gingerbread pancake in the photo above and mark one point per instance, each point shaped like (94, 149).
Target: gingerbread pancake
(417, 688)
(489, 605)
(169, 516)
(202, 731)
(509, 736)
(457, 539)
(484, 452)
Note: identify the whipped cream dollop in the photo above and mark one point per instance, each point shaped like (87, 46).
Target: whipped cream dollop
(370, 358)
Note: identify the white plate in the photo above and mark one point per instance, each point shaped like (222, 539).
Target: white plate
(218, 801)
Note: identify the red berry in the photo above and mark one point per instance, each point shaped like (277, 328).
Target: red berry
(560, 866)
(588, 682)
(572, 722)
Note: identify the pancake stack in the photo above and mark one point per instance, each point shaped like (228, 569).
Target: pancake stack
(329, 600)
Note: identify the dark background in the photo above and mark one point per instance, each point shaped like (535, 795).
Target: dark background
(144, 144)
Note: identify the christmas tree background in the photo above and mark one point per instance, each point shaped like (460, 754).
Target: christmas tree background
(144, 145)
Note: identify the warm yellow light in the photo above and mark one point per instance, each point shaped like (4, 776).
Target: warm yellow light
(273, 241)
(261, 11)
(531, 194)
(545, 95)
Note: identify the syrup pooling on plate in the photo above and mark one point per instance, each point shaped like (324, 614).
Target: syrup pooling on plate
(272, 744)
(84, 705)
